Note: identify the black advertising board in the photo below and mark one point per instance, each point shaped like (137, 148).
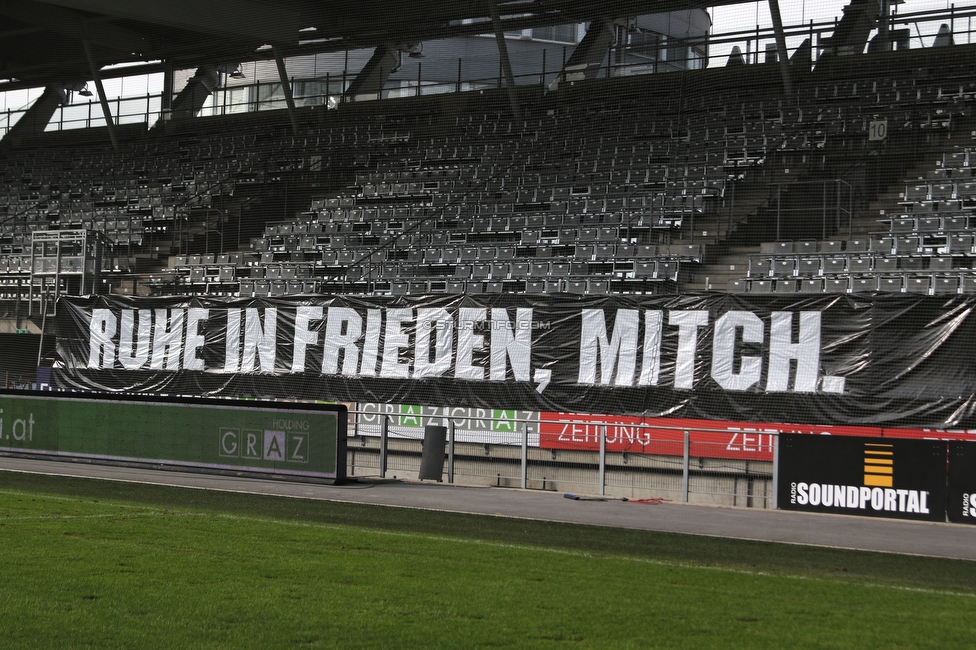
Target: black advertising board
(961, 491)
(892, 360)
(878, 477)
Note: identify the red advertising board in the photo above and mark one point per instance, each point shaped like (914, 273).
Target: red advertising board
(707, 438)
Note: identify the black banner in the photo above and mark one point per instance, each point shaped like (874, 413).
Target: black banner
(895, 360)
(880, 477)
(961, 492)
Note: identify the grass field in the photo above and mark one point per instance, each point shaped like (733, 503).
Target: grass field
(96, 564)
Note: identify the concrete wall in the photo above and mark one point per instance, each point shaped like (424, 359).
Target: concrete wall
(635, 476)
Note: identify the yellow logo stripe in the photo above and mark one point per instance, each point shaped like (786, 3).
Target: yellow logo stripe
(878, 481)
(878, 464)
(871, 469)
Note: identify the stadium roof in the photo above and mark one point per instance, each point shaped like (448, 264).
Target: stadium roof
(42, 42)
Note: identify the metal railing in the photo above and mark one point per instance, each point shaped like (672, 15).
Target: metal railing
(718, 466)
(412, 80)
(836, 205)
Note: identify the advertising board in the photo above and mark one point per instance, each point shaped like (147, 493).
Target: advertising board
(300, 440)
(478, 425)
(881, 477)
(665, 436)
(961, 485)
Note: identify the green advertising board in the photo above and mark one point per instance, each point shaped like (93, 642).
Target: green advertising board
(287, 439)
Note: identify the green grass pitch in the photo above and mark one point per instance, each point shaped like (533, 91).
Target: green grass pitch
(98, 564)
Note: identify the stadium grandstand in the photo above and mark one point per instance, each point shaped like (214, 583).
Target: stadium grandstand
(448, 162)
(594, 177)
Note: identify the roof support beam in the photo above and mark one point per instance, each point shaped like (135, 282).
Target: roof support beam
(194, 95)
(36, 119)
(286, 87)
(370, 80)
(103, 100)
(851, 33)
(588, 56)
(505, 61)
(782, 54)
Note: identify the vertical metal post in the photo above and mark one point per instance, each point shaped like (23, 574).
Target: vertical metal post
(20, 289)
(420, 67)
(384, 437)
(458, 88)
(775, 442)
(823, 216)
(166, 98)
(884, 26)
(778, 215)
(850, 211)
(758, 45)
(813, 46)
(684, 467)
(837, 220)
(505, 65)
(603, 459)
(40, 346)
(525, 457)
(450, 451)
(731, 210)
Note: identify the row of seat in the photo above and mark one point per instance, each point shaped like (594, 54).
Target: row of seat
(804, 266)
(920, 284)
(940, 191)
(927, 223)
(578, 286)
(663, 269)
(943, 242)
(426, 219)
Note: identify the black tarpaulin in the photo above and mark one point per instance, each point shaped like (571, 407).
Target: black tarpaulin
(897, 360)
